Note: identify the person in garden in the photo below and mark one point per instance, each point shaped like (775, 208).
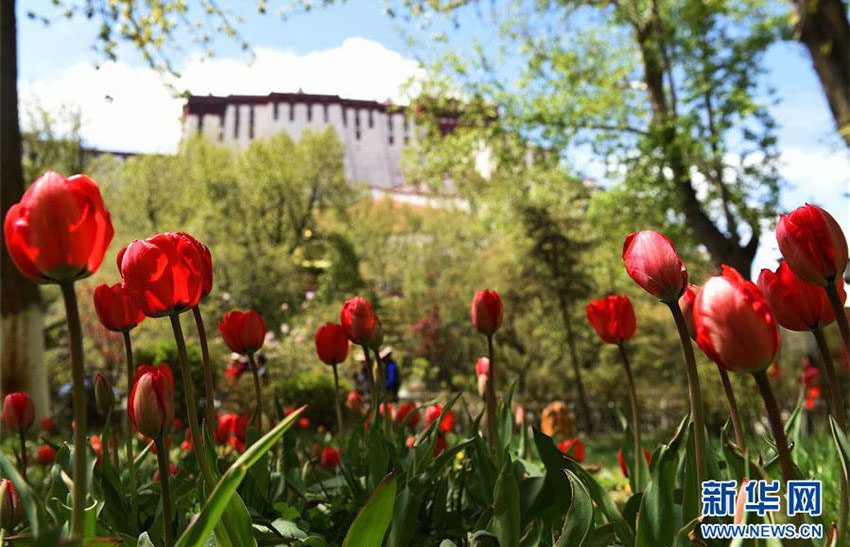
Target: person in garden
(393, 375)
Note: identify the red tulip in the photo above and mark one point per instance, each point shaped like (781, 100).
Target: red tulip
(358, 320)
(235, 372)
(97, 447)
(410, 442)
(45, 455)
(408, 414)
(735, 327)
(439, 445)
(161, 368)
(150, 404)
(487, 312)
(613, 318)
(304, 423)
(813, 244)
(331, 343)
(482, 367)
(228, 425)
(18, 411)
(48, 425)
(376, 339)
(244, 332)
(622, 461)
(796, 304)
(354, 401)
(573, 448)
(206, 263)
(60, 229)
(164, 273)
(686, 303)
(10, 506)
(116, 308)
(654, 264)
(433, 413)
(330, 458)
(519, 415)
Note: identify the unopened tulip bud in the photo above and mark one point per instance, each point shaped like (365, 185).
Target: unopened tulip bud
(151, 405)
(654, 264)
(103, 395)
(358, 319)
(487, 311)
(813, 244)
(18, 411)
(10, 511)
(376, 339)
(483, 380)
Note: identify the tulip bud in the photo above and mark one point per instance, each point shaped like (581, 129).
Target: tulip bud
(487, 311)
(243, 332)
(354, 402)
(330, 458)
(482, 366)
(18, 411)
(613, 318)
(812, 243)
(358, 319)
(797, 304)
(376, 339)
(735, 327)
(103, 395)
(45, 455)
(10, 510)
(653, 263)
(483, 381)
(519, 415)
(151, 402)
(116, 308)
(331, 344)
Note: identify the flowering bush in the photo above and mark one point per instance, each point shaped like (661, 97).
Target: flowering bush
(367, 469)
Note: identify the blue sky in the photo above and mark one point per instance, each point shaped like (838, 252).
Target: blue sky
(355, 49)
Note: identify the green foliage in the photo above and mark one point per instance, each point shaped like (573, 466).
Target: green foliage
(371, 524)
(316, 389)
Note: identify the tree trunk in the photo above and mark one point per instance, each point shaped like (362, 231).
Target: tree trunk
(822, 26)
(22, 349)
(582, 400)
(722, 248)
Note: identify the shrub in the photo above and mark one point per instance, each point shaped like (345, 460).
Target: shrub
(315, 389)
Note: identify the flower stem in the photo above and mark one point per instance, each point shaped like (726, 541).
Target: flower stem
(835, 396)
(635, 417)
(840, 316)
(189, 395)
(492, 427)
(740, 440)
(837, 400)
(694, 395)
(22, 435)
(128, 431)
(786, 465)
(339, 421)
(209, 400)
(258, 392)
(75, 335)
(373, 383)
(164, 476)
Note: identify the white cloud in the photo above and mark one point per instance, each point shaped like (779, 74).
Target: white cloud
(129, 108)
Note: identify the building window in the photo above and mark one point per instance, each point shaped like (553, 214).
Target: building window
(326, 113)
(200, 123)
(371, 120)
(391, 135)
(344, 117)
(405, 123)
(357, 124)
(292, 112)
(309, 113)
(275, 110)
(251, 123)
(236, 123)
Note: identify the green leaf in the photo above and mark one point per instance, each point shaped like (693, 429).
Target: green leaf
(841, 444)
(603, 502)
(658, 521)
(145, 541)
(198, 532)
(506, 518)
(627, 445)
(29, 499)
(370, 526)
(579, 522)
(405, 510)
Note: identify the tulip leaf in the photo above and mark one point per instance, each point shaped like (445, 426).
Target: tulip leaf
(406, 509)
(628, 448)
(29, 499)
(657, 518)
(371, 523)
(579, 522)
(506, 518)
(198, 532)
(842, 445)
